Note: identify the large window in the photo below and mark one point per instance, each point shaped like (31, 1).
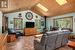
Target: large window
(66, 22)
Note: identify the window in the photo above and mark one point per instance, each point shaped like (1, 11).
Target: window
(3, 3)
(66, 22)
(18, 23)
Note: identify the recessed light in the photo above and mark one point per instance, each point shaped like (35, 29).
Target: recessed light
(61, 2)
(42, 7)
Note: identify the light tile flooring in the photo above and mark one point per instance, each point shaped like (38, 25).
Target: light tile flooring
(27, 43)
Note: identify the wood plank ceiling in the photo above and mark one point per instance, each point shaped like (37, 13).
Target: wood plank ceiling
(53, 7)
(19, 5)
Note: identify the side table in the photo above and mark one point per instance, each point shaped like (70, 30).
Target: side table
(71, 44)
(11, 38)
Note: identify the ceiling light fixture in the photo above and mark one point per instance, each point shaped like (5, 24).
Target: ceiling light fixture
(61, 2)
(42, 7)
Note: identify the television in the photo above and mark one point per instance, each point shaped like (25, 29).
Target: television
(30, 24)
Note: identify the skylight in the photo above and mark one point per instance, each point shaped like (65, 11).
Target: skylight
(61, 2)
(42, 7)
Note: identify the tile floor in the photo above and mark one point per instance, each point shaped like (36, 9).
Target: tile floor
(26, 43)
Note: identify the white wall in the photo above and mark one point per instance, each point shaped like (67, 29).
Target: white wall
(15, 15)
(50, 20)
(0, 22)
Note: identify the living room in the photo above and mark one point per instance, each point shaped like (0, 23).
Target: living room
(21, 20)
(37, 25)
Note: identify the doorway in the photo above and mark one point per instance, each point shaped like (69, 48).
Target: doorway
(4, 24)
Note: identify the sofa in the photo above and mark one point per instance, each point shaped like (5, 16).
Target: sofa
(51, 40)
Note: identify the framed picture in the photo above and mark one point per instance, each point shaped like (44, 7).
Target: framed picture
(42, 23)
(18, 23)
(11, 22)
(38, 23)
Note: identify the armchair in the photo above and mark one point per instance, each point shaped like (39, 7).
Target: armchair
(13, 31)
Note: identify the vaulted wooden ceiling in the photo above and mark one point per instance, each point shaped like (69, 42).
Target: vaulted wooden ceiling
(19, 5)
(53, 7)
